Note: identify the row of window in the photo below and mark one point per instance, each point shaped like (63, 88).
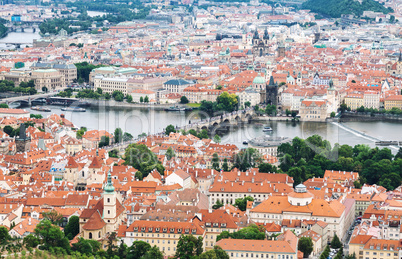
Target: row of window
(260, 255)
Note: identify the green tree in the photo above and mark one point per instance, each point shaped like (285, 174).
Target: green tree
(129, 98)
(253, 232)
(217, 139)
(336, 243)
(141, 99)
(31, 241)
(241, 203)
(105, 141)
(287, 112)
(153, 253)
(217, 205)
(127, 137)
(216, 253)
(247, 104)
(170, 153)
(8, 130)
(184, 100)
(203, 134)
(306, 246)
(215, 161)
(142, 159)
(270, 110)
(146, 99)
(333, 114)
(87, 247)
(169, 129)
(265, 168)
(188, 247)
(118, 135)
(53, 216)
(81, 132)
(72, 228)
(247, 158)
(226, 102)
(51, 236)
(4, 105)
(225, 166)
(138, 249)
(4, 235)
(99, 90)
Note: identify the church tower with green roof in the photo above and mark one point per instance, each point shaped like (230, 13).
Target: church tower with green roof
(109, 200)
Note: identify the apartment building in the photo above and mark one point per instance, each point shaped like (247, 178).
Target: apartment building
(368, 247)
(393, 101)
(165, 235)
(354, 101)
(283, 248)
(227, 192)
(301, 205)
(111, 84)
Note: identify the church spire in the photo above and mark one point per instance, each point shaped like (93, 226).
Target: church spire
(109, 188)
(266, 35)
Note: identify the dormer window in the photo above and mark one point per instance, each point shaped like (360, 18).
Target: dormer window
(193, 231)
(208, 224)
(135, 228)
(223, 225)
(156, 229)
(143, 229)
(164, 230)
(150, 229)
(187, 231)
(179, 230)
(172, 230)
(215, 225)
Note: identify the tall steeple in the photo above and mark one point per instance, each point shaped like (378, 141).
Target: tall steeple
(256, 36)
(109, 188)
(266, 35)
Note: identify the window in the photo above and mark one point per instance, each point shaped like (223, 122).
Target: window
(90, 235)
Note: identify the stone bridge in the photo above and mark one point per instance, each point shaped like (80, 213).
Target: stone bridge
(27, 99)
(222, 122)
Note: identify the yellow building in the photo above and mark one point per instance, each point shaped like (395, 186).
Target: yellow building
(52, 79)
(165, 235)
(354, 101)
(393, 101)
(367, 247)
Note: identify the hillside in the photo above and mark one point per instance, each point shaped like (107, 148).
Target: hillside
(335, 8)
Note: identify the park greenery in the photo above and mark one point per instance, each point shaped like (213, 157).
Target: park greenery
(304, 159)
(251, 232)
(23, 87)
(116, 12)
(336, 8)
(144, 160)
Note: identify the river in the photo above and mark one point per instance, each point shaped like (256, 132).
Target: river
(144, 120)
(19, 37)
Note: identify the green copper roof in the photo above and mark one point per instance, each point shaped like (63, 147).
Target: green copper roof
(259, 80)
(109, 188)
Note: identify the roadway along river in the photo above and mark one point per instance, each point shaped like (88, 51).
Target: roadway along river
(137, 121)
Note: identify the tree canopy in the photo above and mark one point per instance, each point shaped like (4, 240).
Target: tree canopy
(251, 232)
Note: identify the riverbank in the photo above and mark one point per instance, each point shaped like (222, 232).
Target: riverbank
(113, 103)
(269, 118)
(362, 116)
